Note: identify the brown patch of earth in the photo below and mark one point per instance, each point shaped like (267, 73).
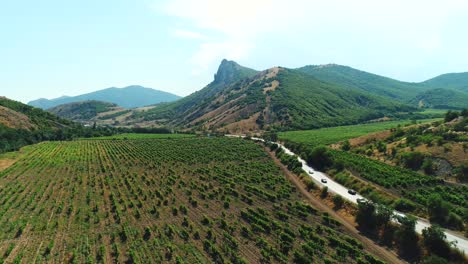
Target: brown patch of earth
(13, 119)
(272, 86)
(5, 163)
(245, 125)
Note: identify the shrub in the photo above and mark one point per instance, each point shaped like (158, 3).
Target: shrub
(346, 145)
(338, 201)
(324, 192)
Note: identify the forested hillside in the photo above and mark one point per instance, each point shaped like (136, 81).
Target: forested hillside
(441, 98)
(363, 81)
(423, 94)
(22, 125)
(82, 111)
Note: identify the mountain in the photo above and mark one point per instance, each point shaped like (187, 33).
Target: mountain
(241, 100)
(451, 93)
(442, 98)
(128, 97)
(228, 72)
(83, 111)
(364, 81)
(457, 81)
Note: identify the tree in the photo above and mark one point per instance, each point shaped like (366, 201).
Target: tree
(462, 173)
(319, 158)
(434, 260)
(450, 115)
(383, 215)
(434, 240)
(338, 201)
(381, 146)
(346, 145)
(427, 166)
(407, 239)
(412, 160)
(464, 112)
(365, 216)
(324, 192)
(437, 209)
(271, 136)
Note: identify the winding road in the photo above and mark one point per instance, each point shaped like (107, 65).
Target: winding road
(334, 187)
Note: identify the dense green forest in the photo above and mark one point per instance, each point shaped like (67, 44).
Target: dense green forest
(448, 91)
(303, 102)
(363, 81)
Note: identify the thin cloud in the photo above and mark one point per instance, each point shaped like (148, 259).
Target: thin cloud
(416, 27)
(189, 34)
(234, 22)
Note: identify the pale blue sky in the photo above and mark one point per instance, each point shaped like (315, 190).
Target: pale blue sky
(50, 48)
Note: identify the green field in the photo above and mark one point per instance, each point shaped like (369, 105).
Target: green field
(440, 112)
(144, 136)
(186, 200)
(326, 136)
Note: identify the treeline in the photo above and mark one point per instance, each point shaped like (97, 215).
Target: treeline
(451, 115)
(13, 139)
(396, 231)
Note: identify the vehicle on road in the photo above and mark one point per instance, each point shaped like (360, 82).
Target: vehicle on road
(360, 200)
(323, 180)
(352, 192)
(311, 172)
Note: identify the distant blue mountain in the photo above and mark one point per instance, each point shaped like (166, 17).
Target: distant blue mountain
(128, 97)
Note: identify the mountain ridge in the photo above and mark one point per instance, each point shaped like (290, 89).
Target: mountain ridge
(278, 98)
(128, 97)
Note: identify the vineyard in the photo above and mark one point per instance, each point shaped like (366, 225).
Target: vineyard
(186, 200)
(143, 136)
(330, 135)
(412, 185)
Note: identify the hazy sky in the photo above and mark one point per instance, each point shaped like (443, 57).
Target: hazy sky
(50, 48)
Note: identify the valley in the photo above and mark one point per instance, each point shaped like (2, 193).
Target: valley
(95, 181)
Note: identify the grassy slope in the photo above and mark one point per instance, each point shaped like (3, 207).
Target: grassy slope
(458, 81)
(141, 201)
(402, 91)
(326, 136)
(364, 81)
